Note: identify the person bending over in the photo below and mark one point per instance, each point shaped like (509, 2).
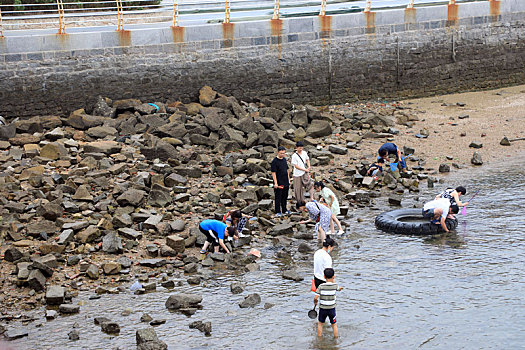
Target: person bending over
(437, 210)
(331, 201)
(376, 168)
(320, 214)
(453, 195)
(215, 232)
(390, 149)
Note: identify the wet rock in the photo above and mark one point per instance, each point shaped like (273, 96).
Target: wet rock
(444, 168)
(475, 144)
(69, 309)
(147, 340)
(194, 280)
(505, 141)
(55, 295)
(17, 333)
(146, 318)
(304, 247)
(157, 322)
(292, 275)
(51, 314)
(281, 229)
(394, 200)
(476, 159)
(152, 262)
(250, 301)
(110, 327)
(237, 287)
(36, 280)
(183, 300)
(204, 327)
(191, 268)
(112, 244)
(74, 335)
(12, 254)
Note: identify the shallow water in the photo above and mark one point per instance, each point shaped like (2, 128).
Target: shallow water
(464, 290)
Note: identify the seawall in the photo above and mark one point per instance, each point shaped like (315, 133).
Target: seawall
(389, 54)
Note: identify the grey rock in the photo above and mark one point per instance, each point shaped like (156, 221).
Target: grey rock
(476, 159)
(204, 327)
(69, 309)
(176, 243)
(183, 300)
(305, 247)
(12, 254)
(281, 229)
(152, 221)
(36, 280)
(152, 262)
(55, 295)
(292, 275)
(236, 287)
(250, 301)
(319, 128)
(112, 244)
(131, 197)
(444, 168)
(129, 233)
(92, 272)
(66, 236)
(337, 149)
(110, 327)
(475, 144)
(191, 268)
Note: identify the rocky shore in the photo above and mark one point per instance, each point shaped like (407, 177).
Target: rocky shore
(110, 198)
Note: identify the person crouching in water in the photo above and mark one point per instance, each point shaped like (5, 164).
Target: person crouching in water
(453, 195)
(319, 214)
(325, 294)
(438, 210)
(376, 168)
(215, 232)
(331, 201)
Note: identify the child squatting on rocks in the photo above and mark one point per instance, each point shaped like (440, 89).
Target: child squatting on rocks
(326, 295)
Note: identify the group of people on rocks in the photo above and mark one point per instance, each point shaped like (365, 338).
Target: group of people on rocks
(324, 214)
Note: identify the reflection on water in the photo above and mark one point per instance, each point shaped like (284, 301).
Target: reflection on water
(459, 290)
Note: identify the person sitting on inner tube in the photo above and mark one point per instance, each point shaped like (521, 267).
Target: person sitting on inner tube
(390, 149)
(453, 195)
(437, 210)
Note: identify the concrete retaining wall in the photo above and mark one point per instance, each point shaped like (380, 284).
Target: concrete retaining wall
(389, 54)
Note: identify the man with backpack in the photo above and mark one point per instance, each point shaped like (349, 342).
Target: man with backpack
(301, 173)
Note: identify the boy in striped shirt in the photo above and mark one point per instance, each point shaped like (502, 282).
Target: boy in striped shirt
(326, 295)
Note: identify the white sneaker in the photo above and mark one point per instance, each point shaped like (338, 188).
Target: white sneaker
(340, 232)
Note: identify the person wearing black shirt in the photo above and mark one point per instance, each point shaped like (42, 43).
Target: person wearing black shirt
(281, 181)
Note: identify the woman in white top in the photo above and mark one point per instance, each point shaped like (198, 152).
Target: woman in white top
(329, 198)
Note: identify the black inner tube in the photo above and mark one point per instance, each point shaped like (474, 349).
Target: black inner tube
(411, 222)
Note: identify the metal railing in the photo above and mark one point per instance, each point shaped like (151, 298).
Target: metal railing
(21, 19)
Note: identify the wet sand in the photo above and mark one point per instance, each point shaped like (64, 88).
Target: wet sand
(492, 115)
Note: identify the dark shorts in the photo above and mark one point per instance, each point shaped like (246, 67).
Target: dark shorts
(330, 313)
(209, 238)
(429, 213)
(318, 282)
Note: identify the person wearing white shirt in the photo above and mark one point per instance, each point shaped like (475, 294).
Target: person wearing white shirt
(437, 210)
(301, 173)
(322, 261)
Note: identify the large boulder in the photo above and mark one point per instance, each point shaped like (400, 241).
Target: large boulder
(80, 120)
(53, 150)
(147, 340)
(319, 128)
(268, 138)
(250, 301)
